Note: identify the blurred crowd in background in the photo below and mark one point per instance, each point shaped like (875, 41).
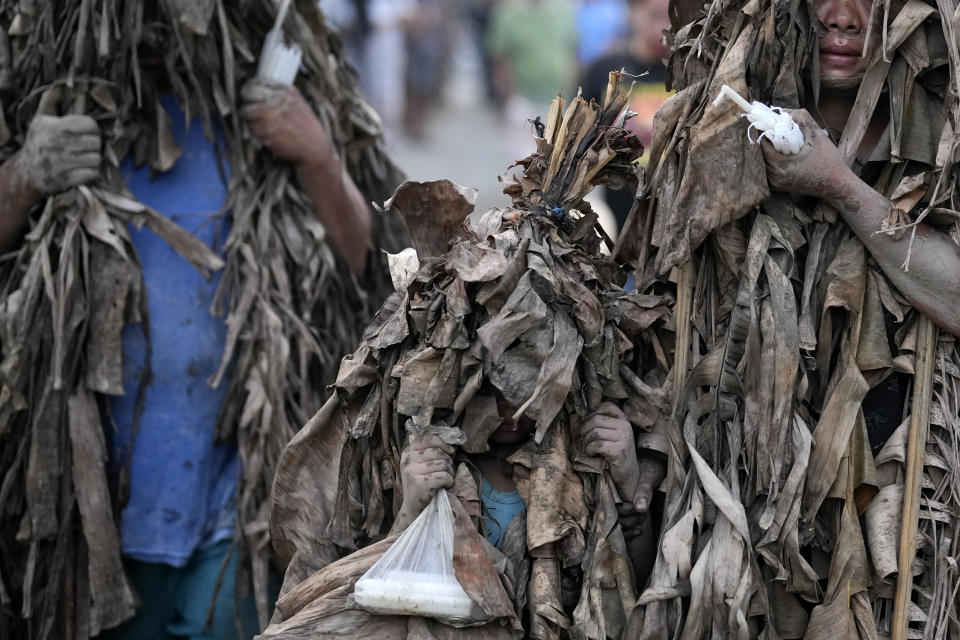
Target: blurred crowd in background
(458, 82)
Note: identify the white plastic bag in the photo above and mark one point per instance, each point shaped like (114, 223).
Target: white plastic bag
(415, 576)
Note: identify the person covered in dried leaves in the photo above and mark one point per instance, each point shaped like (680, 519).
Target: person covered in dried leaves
(178, 525)
(932, 283)
(786, 494)
(501, 370)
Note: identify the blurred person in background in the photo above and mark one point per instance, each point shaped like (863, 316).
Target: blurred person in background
(383, 71)
(477, 16)
(601, 24)
(429, 36)
(351, 18)
(642, 53)
(533, 45)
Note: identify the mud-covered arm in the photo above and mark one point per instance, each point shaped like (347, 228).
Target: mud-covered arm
(932, 281)
(338, 204)
(635, 473)
(426, 466)
(18, 197)
(281, 118)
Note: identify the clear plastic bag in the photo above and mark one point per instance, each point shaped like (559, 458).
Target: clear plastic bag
(415, 576)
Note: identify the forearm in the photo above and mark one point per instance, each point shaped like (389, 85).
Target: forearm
(339, 205)
(932, 283)
(17, 198)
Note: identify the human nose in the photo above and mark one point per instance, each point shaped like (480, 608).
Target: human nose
(843, 16)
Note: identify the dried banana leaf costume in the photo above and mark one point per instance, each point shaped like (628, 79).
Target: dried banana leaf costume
(291, 304)
(522, 300)
(779, 522)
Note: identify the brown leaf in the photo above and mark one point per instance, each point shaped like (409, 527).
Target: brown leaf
(475, 263)
(113, 599)
(433, 211)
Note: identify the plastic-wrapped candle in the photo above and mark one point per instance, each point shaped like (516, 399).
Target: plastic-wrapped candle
(279, 62)
(415, 577)
(773, 123)
(412, 593)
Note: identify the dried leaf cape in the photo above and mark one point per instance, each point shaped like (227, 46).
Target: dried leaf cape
(521, 300)
(778, 521)
(291, 305)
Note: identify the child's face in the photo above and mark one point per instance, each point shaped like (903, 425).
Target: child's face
(510, 431)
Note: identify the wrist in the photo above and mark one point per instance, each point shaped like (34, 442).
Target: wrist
(840, 188)
(404, 518)
(20, 178)
(318, 154)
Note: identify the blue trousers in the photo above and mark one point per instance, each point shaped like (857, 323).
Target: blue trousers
(175, 601)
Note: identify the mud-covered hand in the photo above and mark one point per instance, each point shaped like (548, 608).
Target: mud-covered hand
(426, 466)
(653, 468)
(282, 120)
(608, 433)
(816, 170)
(60, 153)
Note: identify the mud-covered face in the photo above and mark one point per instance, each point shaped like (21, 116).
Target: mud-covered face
(843, 58)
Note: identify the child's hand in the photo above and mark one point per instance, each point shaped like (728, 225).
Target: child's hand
(608, 433)
(426, 465)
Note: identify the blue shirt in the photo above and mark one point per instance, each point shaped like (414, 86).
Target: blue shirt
(600, 24)
(501, 508)
(182, 484)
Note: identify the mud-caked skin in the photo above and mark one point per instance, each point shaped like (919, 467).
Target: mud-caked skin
(281, 118)
(816, 170)
(60, 153)
(426, 466)
(607, 433)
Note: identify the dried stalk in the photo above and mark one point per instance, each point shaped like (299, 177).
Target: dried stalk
(916, 449)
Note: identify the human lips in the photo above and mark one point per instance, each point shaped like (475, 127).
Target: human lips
(842, 54)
